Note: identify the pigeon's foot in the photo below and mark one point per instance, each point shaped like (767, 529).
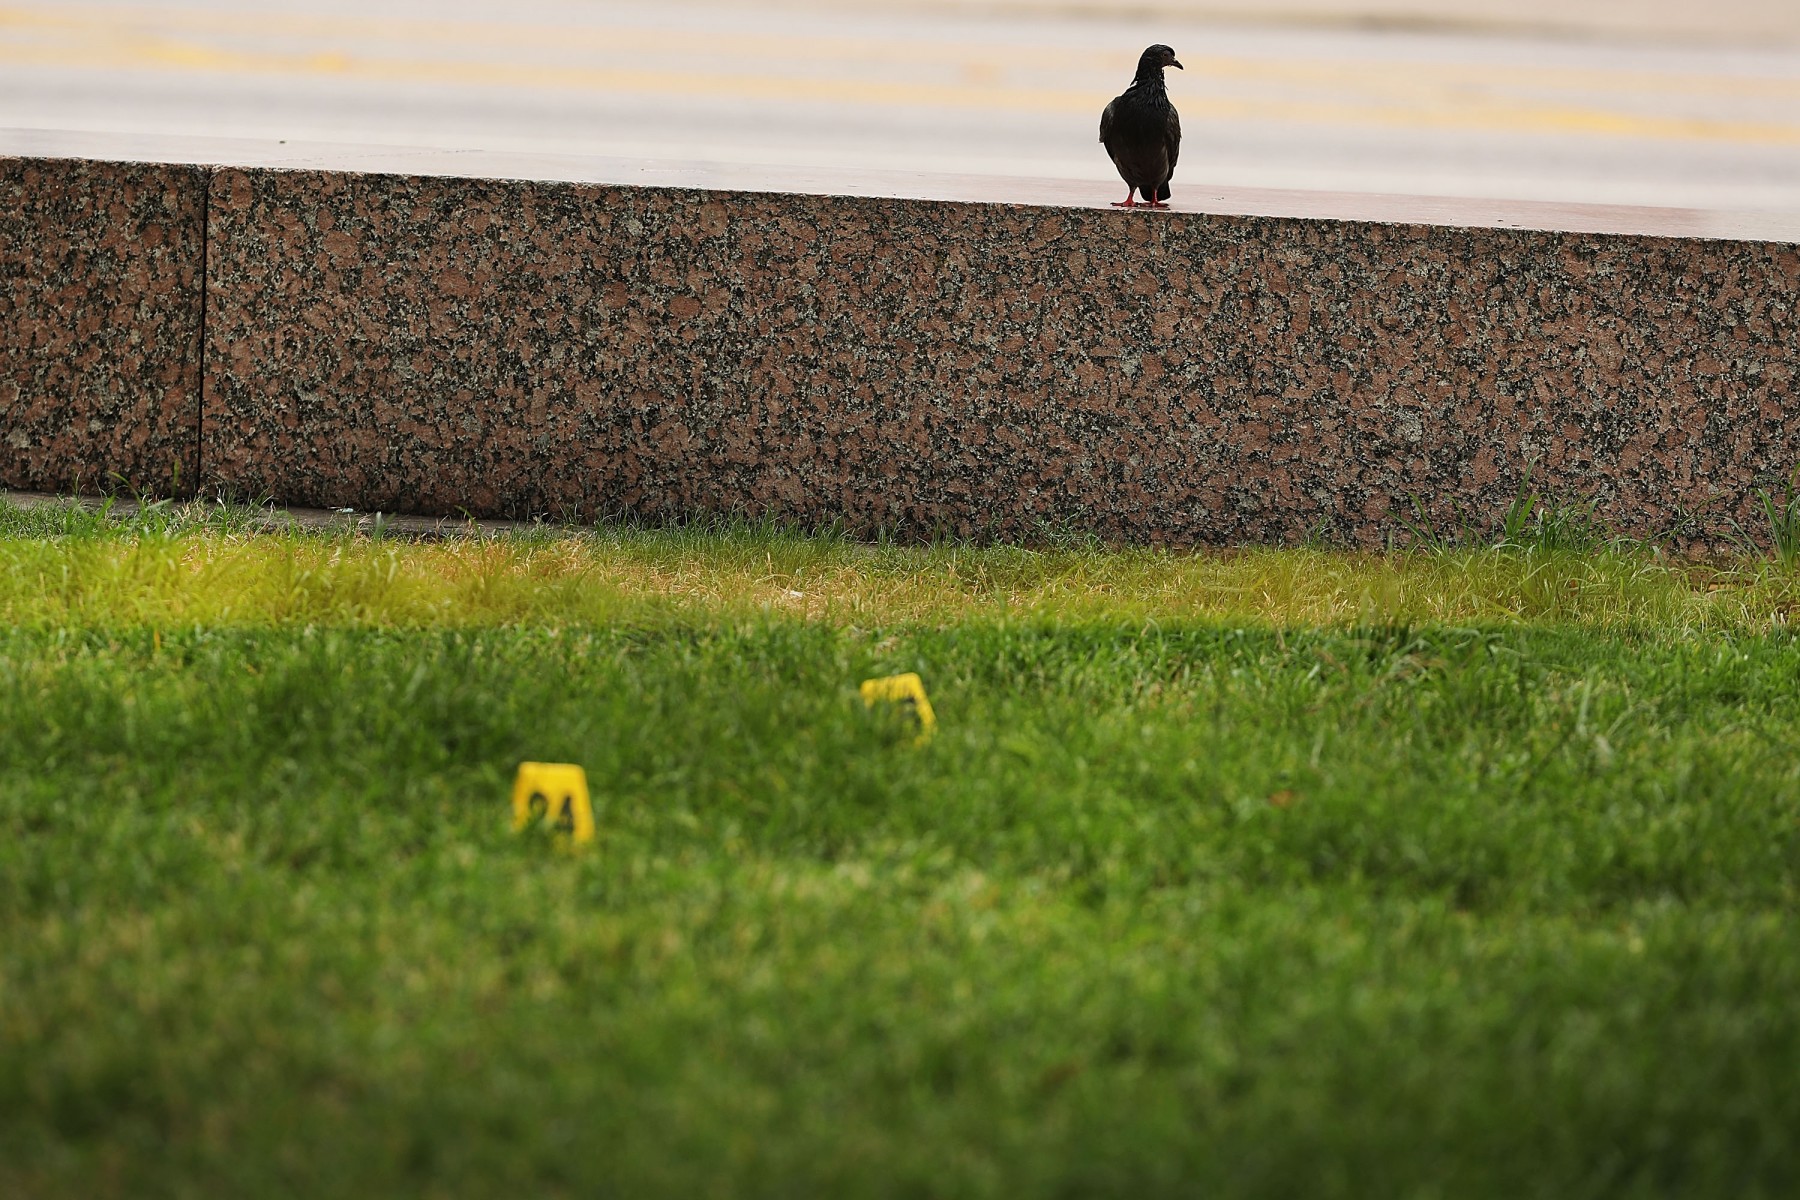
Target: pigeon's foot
(1128, 202)
(1158, 204)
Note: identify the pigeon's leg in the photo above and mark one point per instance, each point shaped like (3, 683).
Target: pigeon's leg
(1127, 202)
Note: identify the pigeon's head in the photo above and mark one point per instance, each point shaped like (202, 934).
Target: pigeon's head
(1155, 59)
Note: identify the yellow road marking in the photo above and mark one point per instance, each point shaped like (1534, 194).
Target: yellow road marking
(968, 58)
(122, 45)
(1492, 117)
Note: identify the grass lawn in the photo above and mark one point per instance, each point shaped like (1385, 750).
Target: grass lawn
(1457, 873)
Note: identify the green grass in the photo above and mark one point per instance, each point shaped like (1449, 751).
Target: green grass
(200, 566)
(1271, 874)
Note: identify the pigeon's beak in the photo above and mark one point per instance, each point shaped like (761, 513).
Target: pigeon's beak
(1176, 65)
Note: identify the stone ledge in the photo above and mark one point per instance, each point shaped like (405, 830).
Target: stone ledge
(512, 348)
(1196, 196)
(100, 267)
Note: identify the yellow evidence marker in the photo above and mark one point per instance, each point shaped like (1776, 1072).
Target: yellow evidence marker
(908, 691)
(555, 794)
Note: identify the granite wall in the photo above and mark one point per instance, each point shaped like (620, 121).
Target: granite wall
(509, 348)
(100, 317)
(504, 348)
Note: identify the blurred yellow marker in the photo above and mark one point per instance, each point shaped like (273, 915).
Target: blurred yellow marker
(555, 794)
(908, 691)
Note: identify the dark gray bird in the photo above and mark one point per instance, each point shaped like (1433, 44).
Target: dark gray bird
(1142, 133)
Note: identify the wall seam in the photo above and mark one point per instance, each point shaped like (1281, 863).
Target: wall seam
(207, 175)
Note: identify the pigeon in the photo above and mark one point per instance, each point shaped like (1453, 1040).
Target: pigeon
(1142, 132)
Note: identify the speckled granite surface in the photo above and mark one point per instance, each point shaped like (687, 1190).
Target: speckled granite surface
(100, 301)
(509, 348)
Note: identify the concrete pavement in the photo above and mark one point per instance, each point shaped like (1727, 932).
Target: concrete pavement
(862, 86)
(1744, 22)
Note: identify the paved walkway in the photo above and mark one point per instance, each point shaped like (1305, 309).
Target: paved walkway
(1749, 22)
(313, 520)
(923, 85)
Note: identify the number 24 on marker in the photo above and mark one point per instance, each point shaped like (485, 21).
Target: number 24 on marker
(556, 795)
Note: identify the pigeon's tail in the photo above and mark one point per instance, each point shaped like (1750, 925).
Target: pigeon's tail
(1162, 193)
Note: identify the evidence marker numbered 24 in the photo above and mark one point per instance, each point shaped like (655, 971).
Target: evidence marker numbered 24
(554, 795)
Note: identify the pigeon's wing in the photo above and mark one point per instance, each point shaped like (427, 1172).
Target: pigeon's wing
(1106, 122)
(1172, 137)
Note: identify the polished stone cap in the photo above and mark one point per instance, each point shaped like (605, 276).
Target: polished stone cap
(1193, 194)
